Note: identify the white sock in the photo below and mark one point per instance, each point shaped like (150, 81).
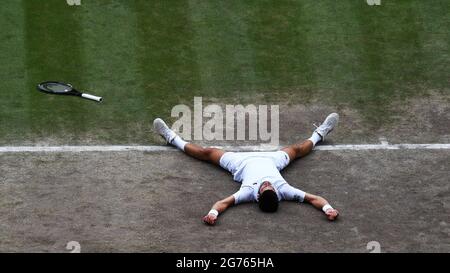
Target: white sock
(315, 138)
(179, 143)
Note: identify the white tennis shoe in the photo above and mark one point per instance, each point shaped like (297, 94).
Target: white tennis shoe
(164, 130)
(328, 125)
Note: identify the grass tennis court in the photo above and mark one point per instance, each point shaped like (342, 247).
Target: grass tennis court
(385, 69)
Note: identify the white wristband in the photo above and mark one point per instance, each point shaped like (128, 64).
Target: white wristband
(326, 207)
(214, 212)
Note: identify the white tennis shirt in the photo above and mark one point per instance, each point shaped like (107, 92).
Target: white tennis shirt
(252, 169)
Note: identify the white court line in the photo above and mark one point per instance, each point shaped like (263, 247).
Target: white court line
(122, 148)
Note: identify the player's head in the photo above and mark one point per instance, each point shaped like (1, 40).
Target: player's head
(268, 199)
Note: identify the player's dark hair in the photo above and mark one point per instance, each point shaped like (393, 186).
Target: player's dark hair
(268, 201)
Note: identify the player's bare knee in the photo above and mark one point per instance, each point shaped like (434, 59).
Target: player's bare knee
(208, 153)
(298, 149)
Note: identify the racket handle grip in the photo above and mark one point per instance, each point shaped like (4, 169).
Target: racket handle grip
(92, 97)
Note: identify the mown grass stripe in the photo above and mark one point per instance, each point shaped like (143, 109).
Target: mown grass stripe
(224, 51)
(53, 47)
(110, 54)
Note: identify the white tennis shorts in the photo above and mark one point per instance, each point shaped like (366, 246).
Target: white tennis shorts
(267, 164)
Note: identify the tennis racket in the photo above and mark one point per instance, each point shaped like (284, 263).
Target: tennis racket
(60, 88)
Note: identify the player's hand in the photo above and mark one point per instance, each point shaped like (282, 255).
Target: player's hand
(210, 219)
(332, 214)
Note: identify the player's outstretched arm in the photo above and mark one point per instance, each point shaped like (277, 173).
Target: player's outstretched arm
(218, 207)
(322, 204)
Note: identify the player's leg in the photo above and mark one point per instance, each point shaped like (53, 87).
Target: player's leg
(293, 194)
(301, 149)
(212, 155)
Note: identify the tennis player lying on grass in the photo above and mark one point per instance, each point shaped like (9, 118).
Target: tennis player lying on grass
(259, 172)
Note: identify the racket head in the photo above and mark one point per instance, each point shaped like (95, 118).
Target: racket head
(59, 88)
